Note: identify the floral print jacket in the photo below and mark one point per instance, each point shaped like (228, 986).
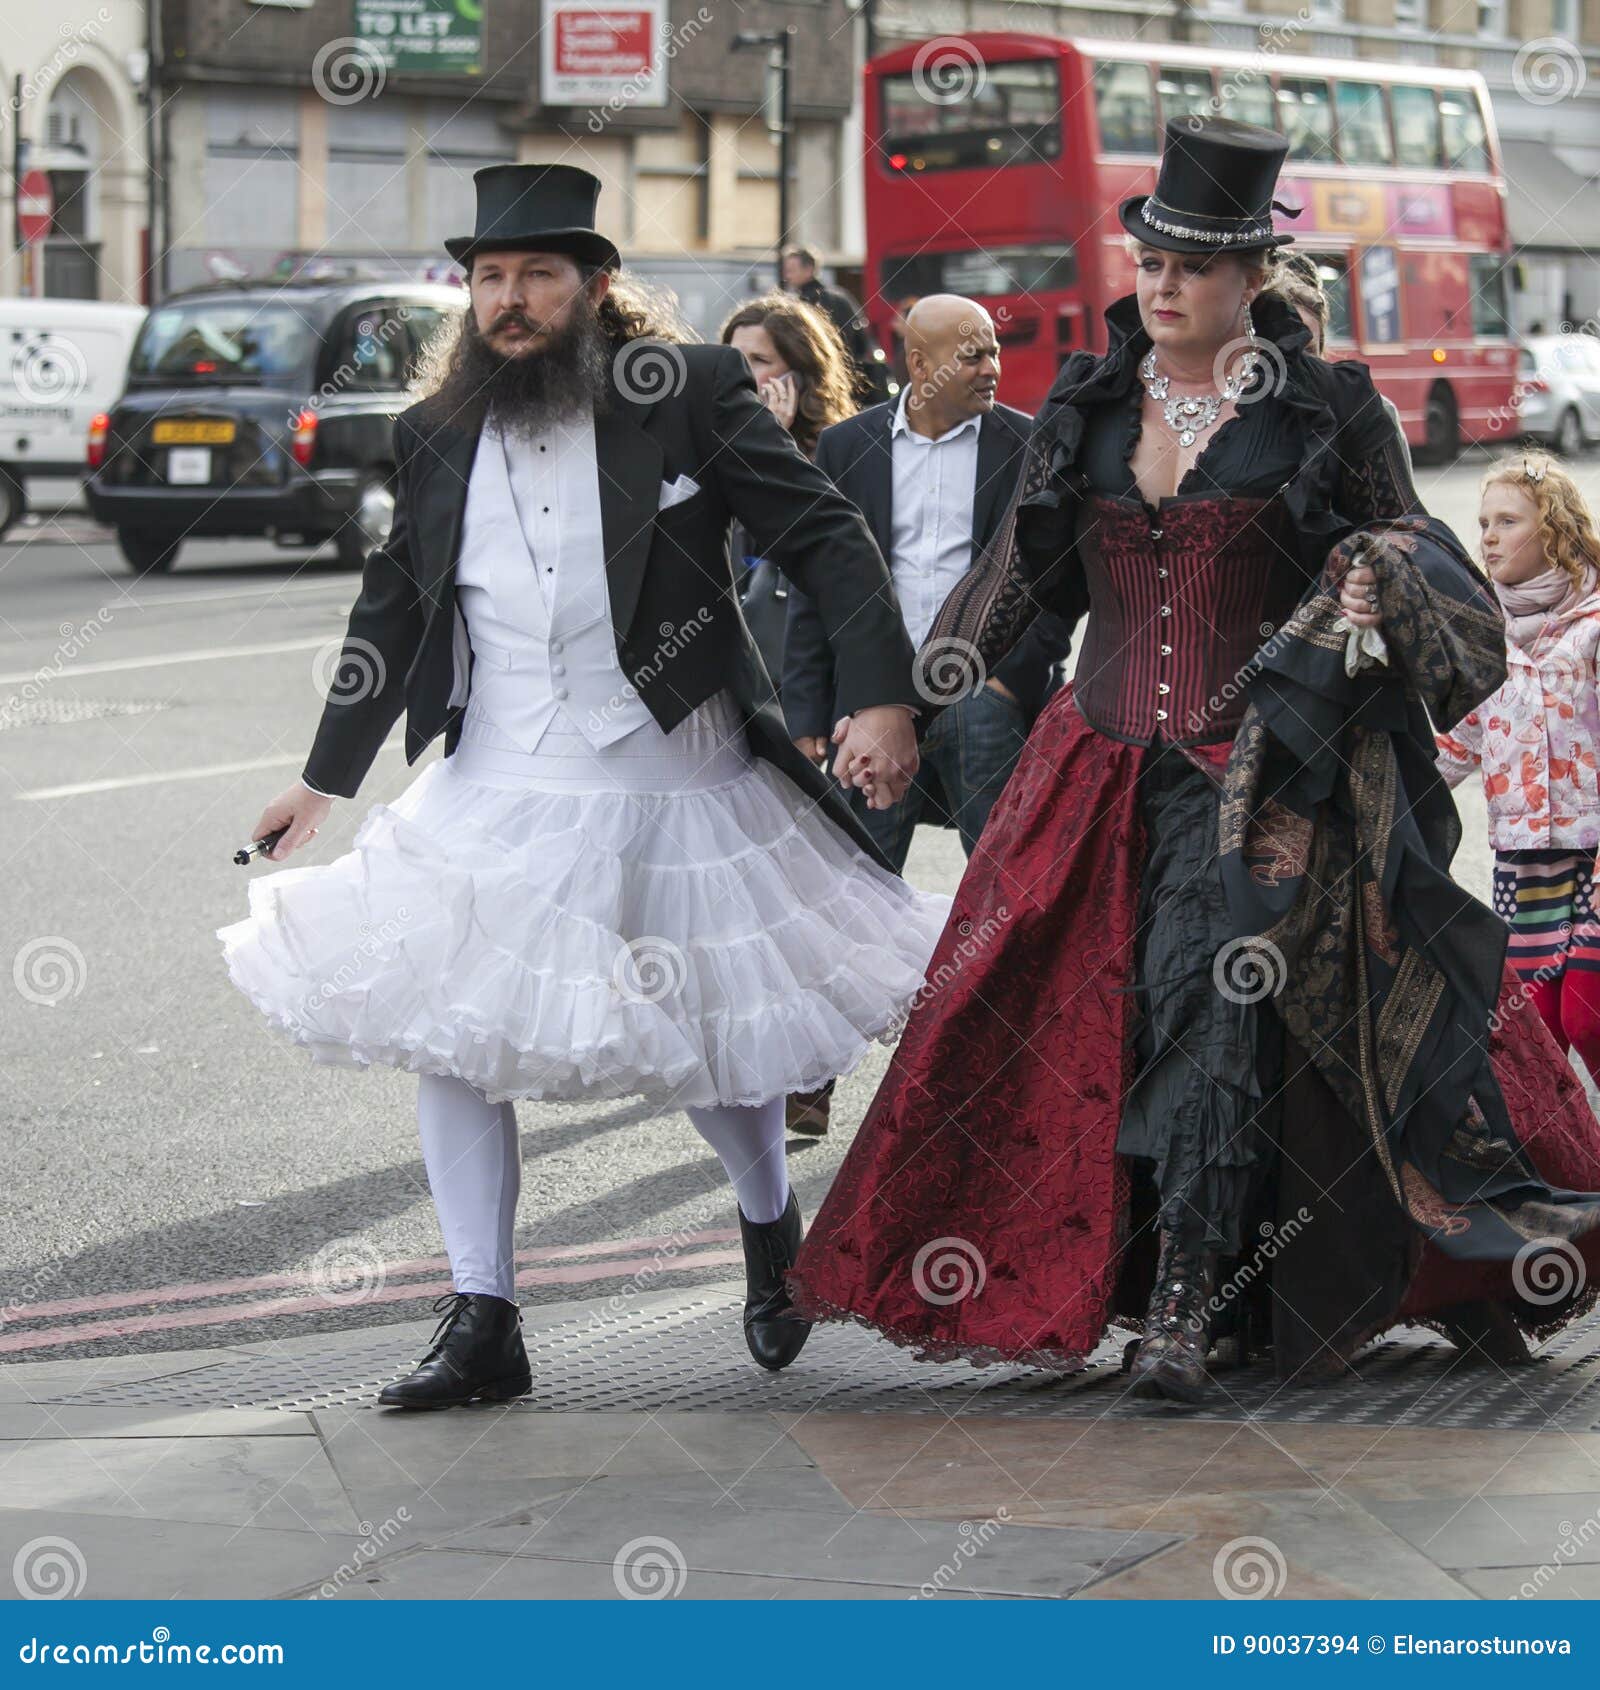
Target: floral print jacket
(1537, 739)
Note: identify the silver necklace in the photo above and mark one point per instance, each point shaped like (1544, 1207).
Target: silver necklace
(1193, 415)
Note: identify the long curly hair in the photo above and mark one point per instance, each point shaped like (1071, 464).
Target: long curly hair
(810, 345)
(1566, 524)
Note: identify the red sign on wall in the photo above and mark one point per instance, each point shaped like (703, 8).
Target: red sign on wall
(596, 54)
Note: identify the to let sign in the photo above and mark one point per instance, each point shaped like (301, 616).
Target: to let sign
(595, 54)
(36, 205)
(443, 37)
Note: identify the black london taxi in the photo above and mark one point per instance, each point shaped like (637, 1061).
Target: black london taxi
(262, 408)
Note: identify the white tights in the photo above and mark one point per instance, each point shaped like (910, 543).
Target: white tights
(474, 1162)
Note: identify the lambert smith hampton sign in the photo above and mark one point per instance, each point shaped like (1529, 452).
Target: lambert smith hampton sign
(595, 54)
(442, 37)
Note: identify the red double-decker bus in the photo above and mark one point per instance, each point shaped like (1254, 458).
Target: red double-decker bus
(995, 164)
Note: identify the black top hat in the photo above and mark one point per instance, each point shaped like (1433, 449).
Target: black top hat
(1214, 191)
(536, 208)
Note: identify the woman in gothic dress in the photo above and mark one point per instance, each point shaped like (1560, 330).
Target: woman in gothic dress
(1209, 1015)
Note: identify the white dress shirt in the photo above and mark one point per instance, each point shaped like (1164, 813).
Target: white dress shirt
(934, 483)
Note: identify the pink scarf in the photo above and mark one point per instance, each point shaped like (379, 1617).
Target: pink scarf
(1530, 604)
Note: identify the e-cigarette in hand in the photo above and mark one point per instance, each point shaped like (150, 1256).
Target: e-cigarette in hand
(258, 847)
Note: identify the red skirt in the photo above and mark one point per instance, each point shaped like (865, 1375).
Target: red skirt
(983, 1210)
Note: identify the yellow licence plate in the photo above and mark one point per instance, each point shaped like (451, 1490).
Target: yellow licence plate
(192, 433)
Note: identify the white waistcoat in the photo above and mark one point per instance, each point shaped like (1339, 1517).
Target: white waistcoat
(531, 594)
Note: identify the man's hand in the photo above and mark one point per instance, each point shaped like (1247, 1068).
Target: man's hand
(813, 747)
(877, 753)
(299, 809)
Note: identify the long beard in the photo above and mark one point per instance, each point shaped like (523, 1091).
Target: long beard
(524, 393)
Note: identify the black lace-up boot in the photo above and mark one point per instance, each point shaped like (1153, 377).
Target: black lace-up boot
(477, 1352)
(775, 1331)
(1171, 1359)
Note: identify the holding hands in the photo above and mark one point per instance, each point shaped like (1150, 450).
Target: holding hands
(877, 753)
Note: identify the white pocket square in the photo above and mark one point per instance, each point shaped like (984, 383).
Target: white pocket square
(675, 492)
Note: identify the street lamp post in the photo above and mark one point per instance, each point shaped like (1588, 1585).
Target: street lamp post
(780, 62)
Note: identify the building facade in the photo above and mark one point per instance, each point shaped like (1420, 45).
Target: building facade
(73, 77)
(293, 139)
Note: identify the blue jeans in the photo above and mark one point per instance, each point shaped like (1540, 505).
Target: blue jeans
(967, 758)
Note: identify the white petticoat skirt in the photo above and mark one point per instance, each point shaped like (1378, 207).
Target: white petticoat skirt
(668, 917)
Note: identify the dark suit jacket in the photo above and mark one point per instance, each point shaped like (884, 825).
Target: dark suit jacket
(856, 453)
(680, 636)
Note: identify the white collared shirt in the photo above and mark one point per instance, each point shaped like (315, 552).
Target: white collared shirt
(555, 486)
(934, 483)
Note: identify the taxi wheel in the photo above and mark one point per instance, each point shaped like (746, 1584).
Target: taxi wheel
(368, 525)
(12, 500)
(148, 553)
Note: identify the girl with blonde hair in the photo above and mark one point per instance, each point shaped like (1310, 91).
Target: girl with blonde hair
(1536, 740)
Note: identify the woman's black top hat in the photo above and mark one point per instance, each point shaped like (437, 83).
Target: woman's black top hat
(1214, 192)
(536, 208)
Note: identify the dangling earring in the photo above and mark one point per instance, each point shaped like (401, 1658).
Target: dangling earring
(1249, 324)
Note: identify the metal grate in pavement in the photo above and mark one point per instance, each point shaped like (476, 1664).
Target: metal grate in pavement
(688, 1353)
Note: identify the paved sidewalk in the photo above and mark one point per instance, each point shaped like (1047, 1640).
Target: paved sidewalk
(655, 1460)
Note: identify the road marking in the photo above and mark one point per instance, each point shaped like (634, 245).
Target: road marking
(206, 654)
(348, 584)
(195, 1291)
(53, 1337)
(120, 783)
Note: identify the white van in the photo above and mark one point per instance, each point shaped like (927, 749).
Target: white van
(61, 361)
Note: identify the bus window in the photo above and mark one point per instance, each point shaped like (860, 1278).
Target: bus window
(1466, 145)
(1486, 280)
(1012, 116)
(1380, 296)
(1184, 93)
(1246, 96)
(976, 274)
(1334, 271)
(1126, 107)
(1363, 124)
(1416, 128)
(1307, 118)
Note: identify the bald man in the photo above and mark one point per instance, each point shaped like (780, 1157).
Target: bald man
(932, 472)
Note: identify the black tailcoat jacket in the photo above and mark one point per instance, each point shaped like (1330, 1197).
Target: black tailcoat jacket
(680, 634)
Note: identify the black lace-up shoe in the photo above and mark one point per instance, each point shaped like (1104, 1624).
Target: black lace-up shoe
(773, 1328)
(477, 1352)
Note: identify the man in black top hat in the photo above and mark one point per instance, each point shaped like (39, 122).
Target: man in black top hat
(556, 599)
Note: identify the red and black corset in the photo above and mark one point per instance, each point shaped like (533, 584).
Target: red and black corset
(1180, 600)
